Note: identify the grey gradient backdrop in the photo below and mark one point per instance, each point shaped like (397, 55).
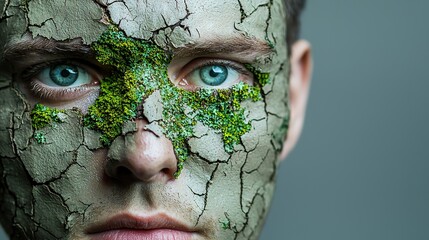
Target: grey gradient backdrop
(361, 168)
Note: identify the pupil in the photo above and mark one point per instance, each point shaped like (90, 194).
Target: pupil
(214, 72)
(214, 75)
(65, 73)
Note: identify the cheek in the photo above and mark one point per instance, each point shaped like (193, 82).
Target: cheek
(54, 149)
(277, 107)
(240, 185)
(42, 171)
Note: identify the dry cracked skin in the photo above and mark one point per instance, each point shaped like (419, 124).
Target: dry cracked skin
(58, 180)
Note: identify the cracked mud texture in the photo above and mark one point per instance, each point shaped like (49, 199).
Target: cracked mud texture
(56, 189)
(65, 19)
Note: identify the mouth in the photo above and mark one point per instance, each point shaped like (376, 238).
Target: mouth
(131, 227)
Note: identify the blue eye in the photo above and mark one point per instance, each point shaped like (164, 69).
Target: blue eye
(213, 75)
(64, 75)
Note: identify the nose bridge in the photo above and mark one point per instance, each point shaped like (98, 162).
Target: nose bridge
(145, 156)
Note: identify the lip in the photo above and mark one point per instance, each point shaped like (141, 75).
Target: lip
(128, 226)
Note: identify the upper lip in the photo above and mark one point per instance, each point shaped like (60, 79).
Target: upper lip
(130, 221)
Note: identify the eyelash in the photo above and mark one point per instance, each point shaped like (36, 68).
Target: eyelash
(194, 66)
(226, 63)
(44, 91)
(30, 72)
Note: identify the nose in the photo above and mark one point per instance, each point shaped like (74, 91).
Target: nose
(142, 156)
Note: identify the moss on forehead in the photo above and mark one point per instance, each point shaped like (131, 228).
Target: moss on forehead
(138, 69)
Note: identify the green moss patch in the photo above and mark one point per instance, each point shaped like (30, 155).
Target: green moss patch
(138, 69)
(42, 116)
(40, 137)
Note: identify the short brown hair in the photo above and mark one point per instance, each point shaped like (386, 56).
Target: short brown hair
(293, 13)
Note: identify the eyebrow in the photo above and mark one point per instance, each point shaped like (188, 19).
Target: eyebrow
(42, 46)
(231, 46)
(72, 48)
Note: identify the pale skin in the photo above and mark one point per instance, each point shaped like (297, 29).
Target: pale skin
(69, 185)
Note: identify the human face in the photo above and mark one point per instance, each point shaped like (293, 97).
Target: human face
(66, 175)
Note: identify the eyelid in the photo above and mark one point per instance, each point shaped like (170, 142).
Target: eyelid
(202, 62)
(33, 70)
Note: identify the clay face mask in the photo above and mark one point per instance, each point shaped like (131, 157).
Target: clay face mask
(155, 116)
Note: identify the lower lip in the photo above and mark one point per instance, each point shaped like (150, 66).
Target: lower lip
(138, 234)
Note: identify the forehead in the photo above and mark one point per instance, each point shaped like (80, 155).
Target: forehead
(173, 23)
(194, 19)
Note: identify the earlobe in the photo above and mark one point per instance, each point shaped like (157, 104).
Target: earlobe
(301, 64)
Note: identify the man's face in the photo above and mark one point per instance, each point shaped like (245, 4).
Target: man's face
(96, 122)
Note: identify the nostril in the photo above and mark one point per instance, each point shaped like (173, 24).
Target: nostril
(167, 171)
(122, 171)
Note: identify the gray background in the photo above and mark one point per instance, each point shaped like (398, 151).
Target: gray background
(360, 170)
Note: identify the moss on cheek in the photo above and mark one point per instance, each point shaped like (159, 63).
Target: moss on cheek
(40, 137)
(42, 116)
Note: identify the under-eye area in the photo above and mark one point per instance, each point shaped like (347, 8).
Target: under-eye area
(206, 90)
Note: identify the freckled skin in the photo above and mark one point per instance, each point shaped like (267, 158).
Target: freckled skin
(59, 187)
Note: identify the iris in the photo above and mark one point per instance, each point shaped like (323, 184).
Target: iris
(64, 75)
(213, 75)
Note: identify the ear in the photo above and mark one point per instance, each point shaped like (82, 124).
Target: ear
(301, 64)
